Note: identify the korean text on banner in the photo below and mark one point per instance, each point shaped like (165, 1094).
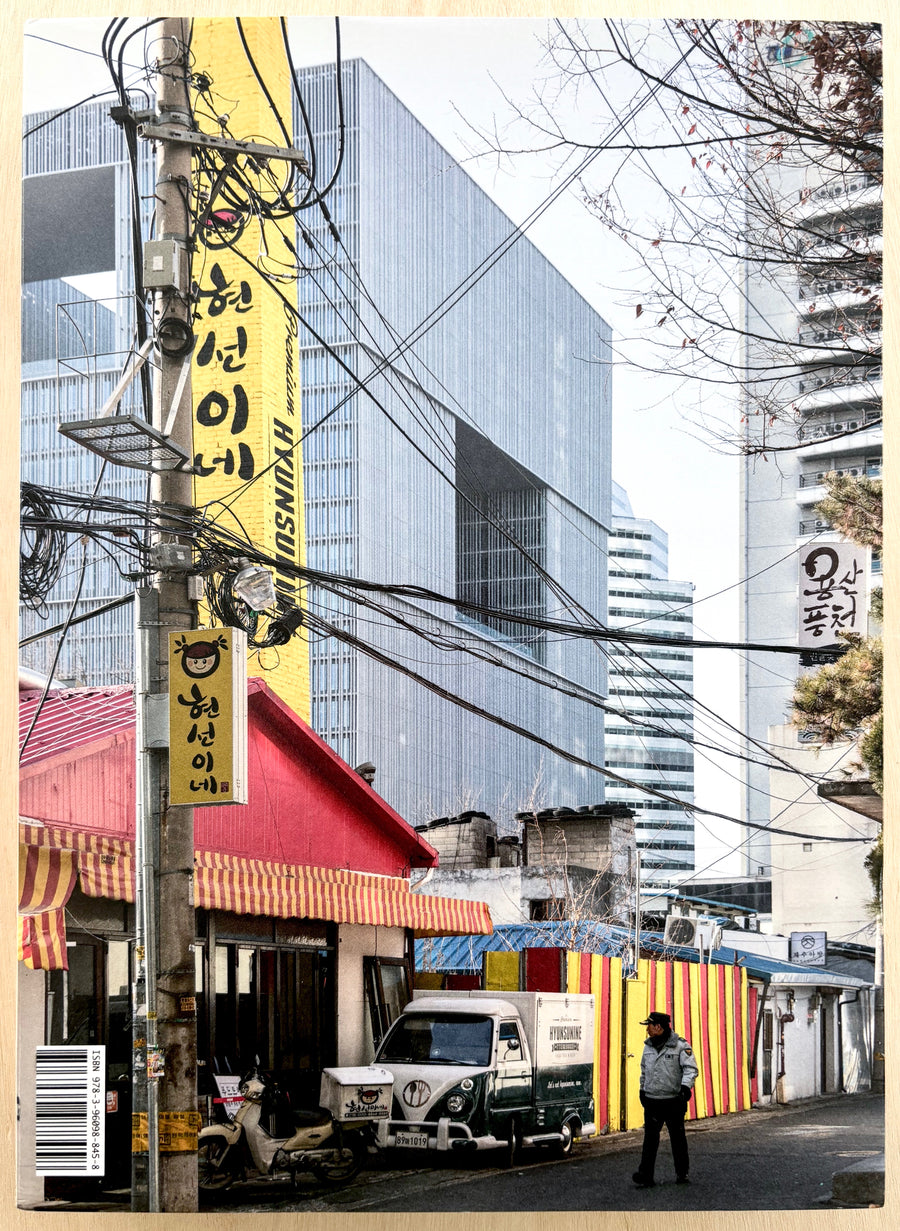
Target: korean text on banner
(832, 593)
(208, 716)
(246, 374)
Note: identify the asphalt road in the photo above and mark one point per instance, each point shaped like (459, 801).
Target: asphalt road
(780, 1159)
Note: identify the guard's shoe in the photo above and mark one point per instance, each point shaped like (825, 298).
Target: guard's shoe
(643, 1181)
(682, 1179)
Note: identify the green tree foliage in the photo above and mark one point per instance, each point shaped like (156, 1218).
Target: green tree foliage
(843, 697)
(854, 509)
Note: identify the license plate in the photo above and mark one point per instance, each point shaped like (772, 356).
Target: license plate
(417, 1140)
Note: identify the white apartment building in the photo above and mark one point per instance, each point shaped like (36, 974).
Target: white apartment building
(824, 383)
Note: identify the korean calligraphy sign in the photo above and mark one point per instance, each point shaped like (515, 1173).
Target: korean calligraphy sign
(208, 716)
(832, 591)
(245, 374)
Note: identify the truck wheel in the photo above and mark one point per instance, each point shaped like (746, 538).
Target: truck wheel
(563, 1148)
(514, 1145)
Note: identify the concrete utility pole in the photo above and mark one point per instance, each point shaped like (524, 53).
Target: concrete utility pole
(172, 1065)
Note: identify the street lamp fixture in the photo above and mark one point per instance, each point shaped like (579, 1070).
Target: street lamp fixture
(255, 587)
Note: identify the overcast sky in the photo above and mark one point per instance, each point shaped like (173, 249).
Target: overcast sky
(452, 74)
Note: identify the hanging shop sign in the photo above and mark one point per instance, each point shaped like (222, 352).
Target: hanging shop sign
(808, 948)
(832, 593)
(245, 374)
(208, 716)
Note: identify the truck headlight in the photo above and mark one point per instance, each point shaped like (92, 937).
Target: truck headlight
(457, 1103)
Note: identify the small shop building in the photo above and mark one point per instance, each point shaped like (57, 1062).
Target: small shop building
(305, 920)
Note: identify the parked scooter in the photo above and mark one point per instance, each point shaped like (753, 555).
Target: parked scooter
(324, 1142)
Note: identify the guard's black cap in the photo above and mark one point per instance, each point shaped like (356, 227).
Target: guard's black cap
(657, 1019)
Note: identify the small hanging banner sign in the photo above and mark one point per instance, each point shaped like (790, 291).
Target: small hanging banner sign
(208, 716)
(832, 593)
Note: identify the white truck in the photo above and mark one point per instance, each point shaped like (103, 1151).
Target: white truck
(490, 1070)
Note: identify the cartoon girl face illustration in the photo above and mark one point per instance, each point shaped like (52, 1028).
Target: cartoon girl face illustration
(201, 658)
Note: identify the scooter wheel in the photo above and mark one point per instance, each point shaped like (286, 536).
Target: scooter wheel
(214, 1172)
(343, 1169)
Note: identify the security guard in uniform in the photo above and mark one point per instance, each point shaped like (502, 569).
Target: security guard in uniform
(668, 1072)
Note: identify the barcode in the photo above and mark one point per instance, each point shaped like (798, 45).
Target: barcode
(69, 1104)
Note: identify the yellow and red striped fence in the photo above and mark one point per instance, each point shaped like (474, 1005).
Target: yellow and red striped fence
(708, 1005)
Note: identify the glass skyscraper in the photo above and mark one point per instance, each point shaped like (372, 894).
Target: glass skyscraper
(654, 686)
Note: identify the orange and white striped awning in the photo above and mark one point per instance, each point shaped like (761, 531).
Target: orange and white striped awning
(46, 880)
(105, 867)
(292, 891)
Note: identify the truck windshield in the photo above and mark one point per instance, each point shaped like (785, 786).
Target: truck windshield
(452, 1038)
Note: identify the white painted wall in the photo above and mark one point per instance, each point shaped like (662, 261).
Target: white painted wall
(501, 888)
(756, 942)
(30, 1034)
(812, 1059)
(356, 941)
(818, 886)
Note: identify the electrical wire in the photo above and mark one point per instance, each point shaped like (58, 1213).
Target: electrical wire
(739, 822)
(662, 675)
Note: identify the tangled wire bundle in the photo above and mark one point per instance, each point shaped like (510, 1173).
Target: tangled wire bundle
(42, 548)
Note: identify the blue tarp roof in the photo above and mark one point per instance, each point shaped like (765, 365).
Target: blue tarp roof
(463, 954)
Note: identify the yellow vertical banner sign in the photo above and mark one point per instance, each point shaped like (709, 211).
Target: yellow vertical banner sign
(573, 972)
(245, 373)
(730, 1027)
(501, 972)
(208, 717)
(713, 1016)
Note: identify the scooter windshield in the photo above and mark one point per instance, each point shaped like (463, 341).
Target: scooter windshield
(439, 1039)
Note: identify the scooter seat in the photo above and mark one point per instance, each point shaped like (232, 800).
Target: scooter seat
(304, 1118)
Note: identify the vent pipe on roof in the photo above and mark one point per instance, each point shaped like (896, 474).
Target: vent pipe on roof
(33, 680)
(366, 771)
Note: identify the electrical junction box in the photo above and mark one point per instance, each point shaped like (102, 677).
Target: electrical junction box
(165, 264)
(171, 557)
(362, 1093)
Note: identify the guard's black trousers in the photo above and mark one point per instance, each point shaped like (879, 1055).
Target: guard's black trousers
(657, 1112)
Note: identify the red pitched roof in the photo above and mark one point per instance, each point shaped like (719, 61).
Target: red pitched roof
(72, 718)
(306, 805)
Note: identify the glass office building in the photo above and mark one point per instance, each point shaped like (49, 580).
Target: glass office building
(482, 427)
(651, 741)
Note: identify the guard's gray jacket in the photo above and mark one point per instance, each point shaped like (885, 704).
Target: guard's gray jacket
(666, 1070)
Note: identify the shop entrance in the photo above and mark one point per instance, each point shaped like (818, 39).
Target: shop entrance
(277, 1004)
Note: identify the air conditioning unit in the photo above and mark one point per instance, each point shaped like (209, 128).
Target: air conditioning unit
(692, 933)
(680, 930)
